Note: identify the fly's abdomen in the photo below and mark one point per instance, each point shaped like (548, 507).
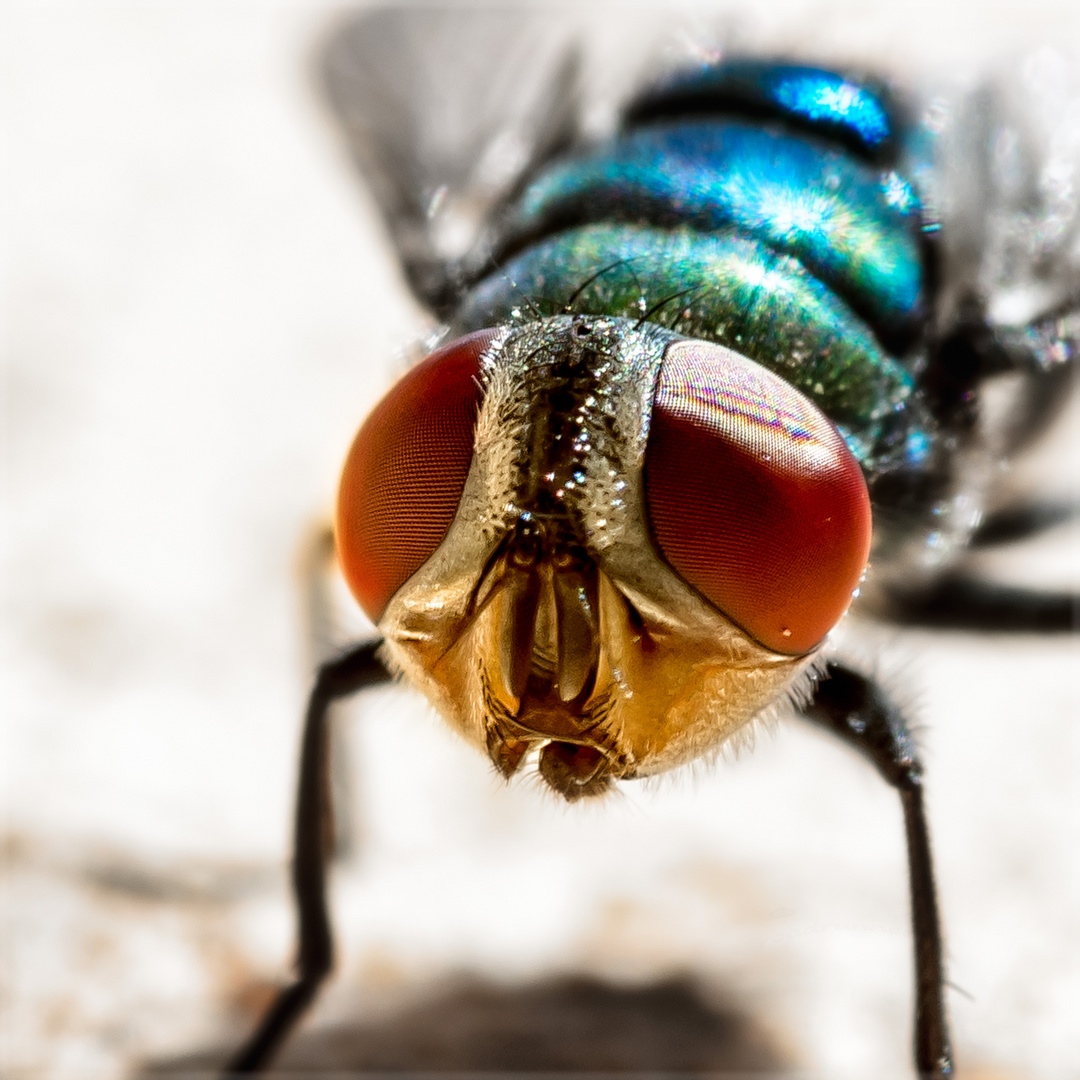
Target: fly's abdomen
(750, 204)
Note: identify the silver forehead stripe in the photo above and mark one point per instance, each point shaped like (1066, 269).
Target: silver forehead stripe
(555, 495)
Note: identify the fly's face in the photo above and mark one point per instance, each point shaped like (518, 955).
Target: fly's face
(599, 541)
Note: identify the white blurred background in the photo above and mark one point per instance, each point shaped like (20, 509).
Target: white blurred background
(200, 306)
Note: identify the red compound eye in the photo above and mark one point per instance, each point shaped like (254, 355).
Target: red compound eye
(753, 496)
(406, 471)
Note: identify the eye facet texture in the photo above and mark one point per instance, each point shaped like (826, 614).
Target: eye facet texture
(406, 471)
(753, 496)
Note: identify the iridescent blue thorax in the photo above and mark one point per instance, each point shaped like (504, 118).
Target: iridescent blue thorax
(753, 204)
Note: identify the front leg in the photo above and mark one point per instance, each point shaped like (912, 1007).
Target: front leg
(336, 679)
(857, 710)
(958, 602)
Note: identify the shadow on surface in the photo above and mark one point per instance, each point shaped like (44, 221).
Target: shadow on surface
(567, 1025)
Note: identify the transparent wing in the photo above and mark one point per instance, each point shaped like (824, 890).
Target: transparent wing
(1031, 266)
(443, 111)
(1002, 174)
(1008, 172)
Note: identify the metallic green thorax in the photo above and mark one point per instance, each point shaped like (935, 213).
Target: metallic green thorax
(722, 288)
(755, 206)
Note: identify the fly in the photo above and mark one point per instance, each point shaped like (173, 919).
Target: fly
(697, 377)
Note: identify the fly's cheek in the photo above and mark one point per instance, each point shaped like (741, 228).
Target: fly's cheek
(406, 471)
(753, 496)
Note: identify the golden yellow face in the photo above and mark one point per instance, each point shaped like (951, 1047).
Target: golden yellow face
(536, 558)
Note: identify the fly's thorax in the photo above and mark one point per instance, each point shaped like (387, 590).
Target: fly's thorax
(547, 620)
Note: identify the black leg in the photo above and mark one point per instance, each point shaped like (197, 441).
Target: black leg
(315, 946)
(958, 602)
(855, 709)
(1022, 522)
